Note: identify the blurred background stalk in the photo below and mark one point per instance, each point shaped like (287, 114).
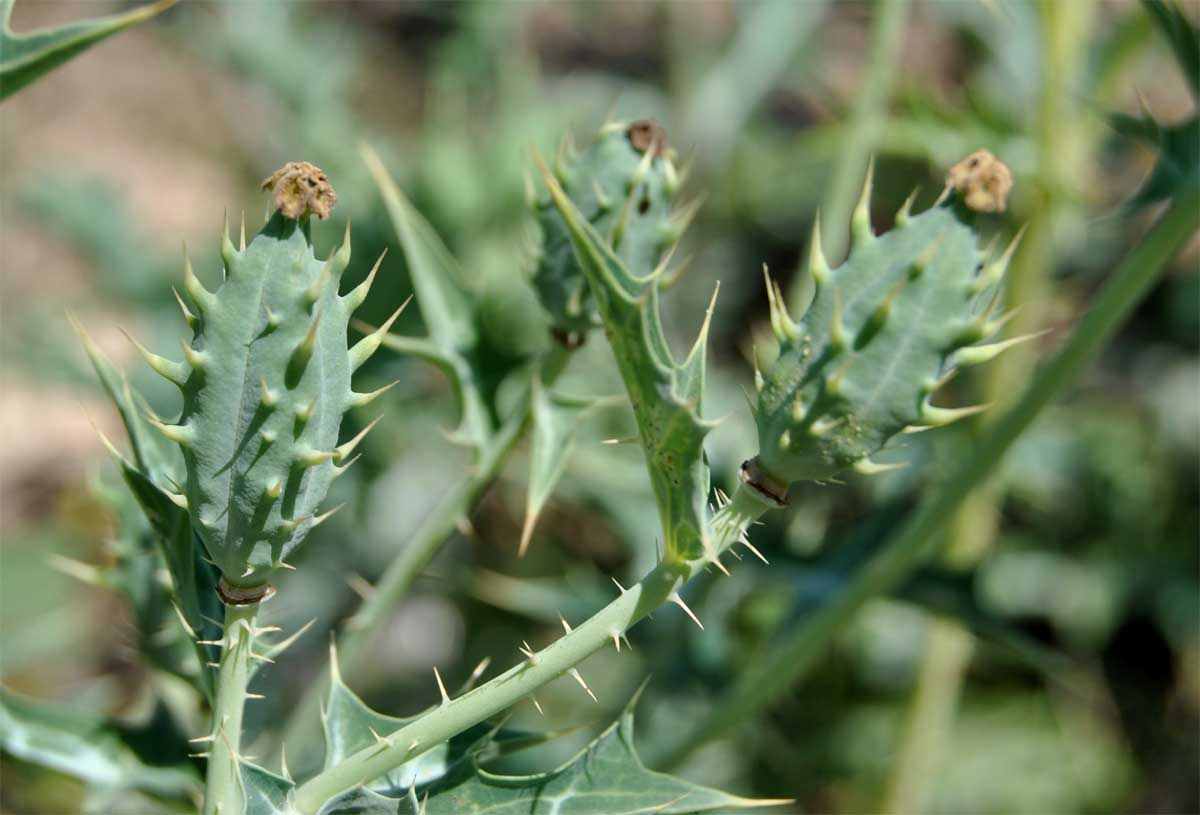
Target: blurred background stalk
(1066, 133)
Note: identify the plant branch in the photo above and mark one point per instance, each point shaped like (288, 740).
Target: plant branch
(766, 679)
(223, 787)
(415, 554)
(455, 716)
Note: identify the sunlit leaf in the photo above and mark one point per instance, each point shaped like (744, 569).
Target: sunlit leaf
(554, 426)
(80, 744)
(25, 57)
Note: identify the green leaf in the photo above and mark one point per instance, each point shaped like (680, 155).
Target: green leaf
(1178, 162)
(350, 725)
(156, 469)
(1183, 37)
(157, 458)
(82, 745)
(607, 776)
(266, 792)
(666, 395)
(448, 308)
(554, 425)
(25, 57)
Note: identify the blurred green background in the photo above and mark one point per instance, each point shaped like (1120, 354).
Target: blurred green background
(1077, 574)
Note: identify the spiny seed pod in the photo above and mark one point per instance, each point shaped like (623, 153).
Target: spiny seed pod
(265, 383)
(882, 333)
(623, 185)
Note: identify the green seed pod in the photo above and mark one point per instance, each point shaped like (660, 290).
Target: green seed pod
(265, 385)
(623, 186)
(882, 333)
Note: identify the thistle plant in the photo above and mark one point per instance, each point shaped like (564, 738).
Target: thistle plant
(232, 487)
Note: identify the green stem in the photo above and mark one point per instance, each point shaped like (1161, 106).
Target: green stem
(414, 555)
(861, 134)
(453, 717)
(766, 679)
(223, 788)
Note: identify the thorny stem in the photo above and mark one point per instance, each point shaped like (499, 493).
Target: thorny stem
(451, 718)
(766, 679)
(416, 553)
(224, 794)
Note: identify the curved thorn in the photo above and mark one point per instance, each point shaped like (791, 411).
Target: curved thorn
(979, 354)
(195, 359)
(578, 677)
(905, 211)
(361, 399)
(313, 293)
(943, 416)
(268, 399)
(201, 297)
(839, 339)
(342, 256)
(677, 600)
(189, 318)
(311, 458)
(174, 372)
(818, 266)
(228, 253)
(341, 452)
(298, 362)
(441, 686)
(368, 345)
(867, 467)
(994, 271)
(358, 294)
(317, 520)
(860, 220)
(181, 434)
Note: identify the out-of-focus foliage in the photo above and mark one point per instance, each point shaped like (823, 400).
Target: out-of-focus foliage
(1085, 611)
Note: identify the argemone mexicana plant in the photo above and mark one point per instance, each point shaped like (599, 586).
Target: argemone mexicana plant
(266, 381)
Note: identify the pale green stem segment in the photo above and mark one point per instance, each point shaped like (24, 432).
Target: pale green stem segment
(765, 680)
(414, 555)
(1066, 140)
(451, 718)
(224, 794)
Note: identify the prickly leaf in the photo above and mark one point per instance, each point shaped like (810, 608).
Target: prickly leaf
(875, 343)
(154, 477)
(666, 396)
(350, 726)
(265, 384)
(25, 57)
(266, 792)
(607, 776)
(84, 746)
(554, 427)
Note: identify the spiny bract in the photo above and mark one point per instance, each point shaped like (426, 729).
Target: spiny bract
(265, 385)
(622, 185)
(883, 332)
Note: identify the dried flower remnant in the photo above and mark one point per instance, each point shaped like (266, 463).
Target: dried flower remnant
(300, 188)
(982, 180)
